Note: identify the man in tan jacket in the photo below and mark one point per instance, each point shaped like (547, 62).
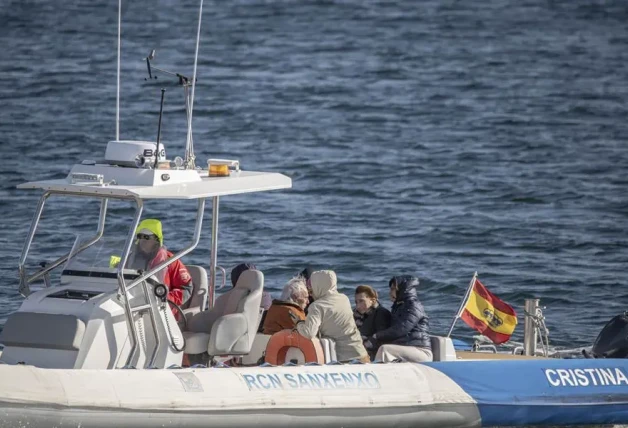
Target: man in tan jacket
(331, 316)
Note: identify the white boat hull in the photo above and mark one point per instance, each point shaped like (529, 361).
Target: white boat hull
(354, 395)
(431, 416)
(451, 394)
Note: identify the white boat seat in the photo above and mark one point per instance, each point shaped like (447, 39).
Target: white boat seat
(234, 332)
(230, 327)
(195, 343)
(45, 331)
(198, 300)
(442, 348)
(203, 322)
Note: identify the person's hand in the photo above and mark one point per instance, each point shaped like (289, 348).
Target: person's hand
(369, 343)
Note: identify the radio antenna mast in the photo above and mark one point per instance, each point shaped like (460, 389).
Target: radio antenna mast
(189, 146)
(118, 74)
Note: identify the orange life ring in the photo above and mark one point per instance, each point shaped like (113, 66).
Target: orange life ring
(280, 342)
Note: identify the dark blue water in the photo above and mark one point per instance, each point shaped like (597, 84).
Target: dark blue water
(433, 138)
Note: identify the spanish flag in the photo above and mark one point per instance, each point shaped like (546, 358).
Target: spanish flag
(489, 315)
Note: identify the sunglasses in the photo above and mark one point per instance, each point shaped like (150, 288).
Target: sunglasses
(145, 237)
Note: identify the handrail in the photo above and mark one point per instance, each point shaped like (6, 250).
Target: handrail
(62, 259)
(214, 254)
(25, 280)
(122, 287)
(182, 253)
(212, 288)
(24, 289)
(121, 284)
(125, 289)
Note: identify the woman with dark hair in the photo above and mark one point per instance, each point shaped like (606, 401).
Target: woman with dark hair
(237, 271)
(408, 336)
(369, 315)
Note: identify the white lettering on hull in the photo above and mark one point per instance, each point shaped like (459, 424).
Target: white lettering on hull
(336, 380)
(586, 377)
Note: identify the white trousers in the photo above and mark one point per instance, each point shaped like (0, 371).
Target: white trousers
(412, 354)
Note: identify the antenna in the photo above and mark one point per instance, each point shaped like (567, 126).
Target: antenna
(118, 74)
(161, 111)
(189, 146)
(189, 95)
(186, 83)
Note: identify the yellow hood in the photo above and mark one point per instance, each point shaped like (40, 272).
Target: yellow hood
(152, 225)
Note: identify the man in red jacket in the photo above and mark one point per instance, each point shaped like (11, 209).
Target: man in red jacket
(150, 251)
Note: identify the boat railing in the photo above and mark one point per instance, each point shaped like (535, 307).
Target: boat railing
(175, 257)
(211, 295)
(25, 280)
(151, 304)
(535, 331)
(483, 347)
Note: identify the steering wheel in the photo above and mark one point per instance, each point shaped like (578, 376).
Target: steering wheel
(183, 322)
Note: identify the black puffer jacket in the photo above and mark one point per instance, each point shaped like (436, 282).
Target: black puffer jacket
(409, 324)
(374, 320)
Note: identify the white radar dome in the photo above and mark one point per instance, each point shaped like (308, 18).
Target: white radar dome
(133, 153)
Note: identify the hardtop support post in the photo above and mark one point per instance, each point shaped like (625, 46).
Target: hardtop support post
(214, 252)
(122, 285)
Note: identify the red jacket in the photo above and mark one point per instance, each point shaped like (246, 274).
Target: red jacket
(176, 276)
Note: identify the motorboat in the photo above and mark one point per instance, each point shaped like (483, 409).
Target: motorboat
(96, 344)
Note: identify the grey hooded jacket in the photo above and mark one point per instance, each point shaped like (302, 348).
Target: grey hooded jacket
(331, 315)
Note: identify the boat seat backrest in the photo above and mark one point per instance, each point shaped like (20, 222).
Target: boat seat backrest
(228, 302)
(203, 321)
(442, 348)
(234, 331)
(436, 348)
(198, 300)
(235, 300)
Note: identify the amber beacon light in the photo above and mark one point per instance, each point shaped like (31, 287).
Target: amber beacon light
(222, 167)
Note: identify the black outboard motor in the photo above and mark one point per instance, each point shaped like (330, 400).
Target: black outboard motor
(612, 342)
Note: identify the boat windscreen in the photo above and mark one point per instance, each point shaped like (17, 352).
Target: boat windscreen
(100, 259)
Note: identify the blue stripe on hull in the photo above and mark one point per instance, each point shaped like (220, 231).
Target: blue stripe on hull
(517, 415)
(528, 392)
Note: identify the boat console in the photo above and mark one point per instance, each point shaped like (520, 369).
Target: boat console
(100, 315)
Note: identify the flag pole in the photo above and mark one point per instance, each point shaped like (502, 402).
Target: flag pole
(464, 302)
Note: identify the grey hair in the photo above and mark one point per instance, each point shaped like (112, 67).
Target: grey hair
(294, 288)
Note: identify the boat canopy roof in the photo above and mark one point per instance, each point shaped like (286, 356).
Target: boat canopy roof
(133, 183)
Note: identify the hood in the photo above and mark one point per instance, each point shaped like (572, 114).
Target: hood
(406, 287)
(323, 282)
(152, 225)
